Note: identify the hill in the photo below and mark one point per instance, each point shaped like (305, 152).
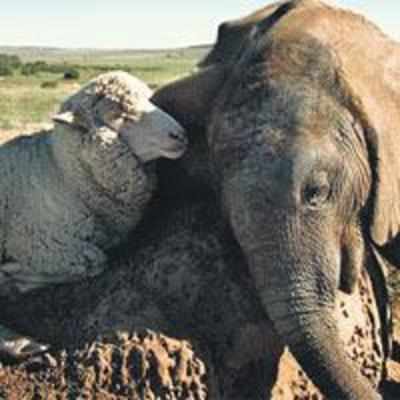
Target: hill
(82, 55)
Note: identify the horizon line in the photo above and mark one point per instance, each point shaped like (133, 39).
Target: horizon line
(38, 46)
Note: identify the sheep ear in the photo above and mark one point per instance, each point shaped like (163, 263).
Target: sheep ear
(64, 118)
(78, 119)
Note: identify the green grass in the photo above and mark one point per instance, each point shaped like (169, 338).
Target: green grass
(23, 102)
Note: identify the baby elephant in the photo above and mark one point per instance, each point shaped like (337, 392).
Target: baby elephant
(70, 195)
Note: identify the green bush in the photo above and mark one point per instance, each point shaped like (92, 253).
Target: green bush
(71, 73)
(49, 84)
(5, 70)
(28, 69)
(15, 62)
(11, 62)
(37, 66)
(68, 72)
(56, 68)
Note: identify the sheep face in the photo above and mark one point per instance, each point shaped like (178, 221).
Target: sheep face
(115, 108)
(150, 133)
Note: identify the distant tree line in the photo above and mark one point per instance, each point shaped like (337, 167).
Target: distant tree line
(8, 64)
(11, 63)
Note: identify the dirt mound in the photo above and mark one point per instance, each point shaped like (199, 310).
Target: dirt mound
(140, 366)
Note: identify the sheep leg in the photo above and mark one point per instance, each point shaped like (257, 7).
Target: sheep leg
(8, 288)
(15, 347)
(13, 277)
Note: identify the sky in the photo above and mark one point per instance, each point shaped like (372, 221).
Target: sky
(145, 23)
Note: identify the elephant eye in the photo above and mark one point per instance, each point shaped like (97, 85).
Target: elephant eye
(317, 191)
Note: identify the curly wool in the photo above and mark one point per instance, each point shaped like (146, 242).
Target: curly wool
(67, 196)
(120, 88)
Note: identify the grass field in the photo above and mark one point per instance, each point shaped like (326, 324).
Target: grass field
(25, 105)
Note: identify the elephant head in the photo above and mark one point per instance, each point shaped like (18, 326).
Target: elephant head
(232, 36)
(302, 120)
(304, 139)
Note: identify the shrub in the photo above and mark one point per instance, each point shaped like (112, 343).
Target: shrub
(11, 62)
(49, 85)
(71, 73)
(40, 66)
(28, 69)
(5, 70)
(34, 68)
(15, 62)
(56, 68)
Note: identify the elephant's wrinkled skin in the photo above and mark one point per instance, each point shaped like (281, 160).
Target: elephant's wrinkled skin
(301, 48)
(303, 140)
(302, 137)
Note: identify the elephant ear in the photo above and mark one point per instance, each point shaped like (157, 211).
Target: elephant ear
(374, 81)
(384, 149)
(189, 100)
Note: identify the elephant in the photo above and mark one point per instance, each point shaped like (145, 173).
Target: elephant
(210, 293)
(232, 36)
(302, 137)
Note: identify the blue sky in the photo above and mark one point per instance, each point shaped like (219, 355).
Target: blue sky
(145, 23)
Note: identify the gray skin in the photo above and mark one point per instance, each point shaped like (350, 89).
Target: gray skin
(303, 139)
(71, 195)
(233, 35)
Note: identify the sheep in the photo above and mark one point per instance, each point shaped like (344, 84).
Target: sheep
(71, 194)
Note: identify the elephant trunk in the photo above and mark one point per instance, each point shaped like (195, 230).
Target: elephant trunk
(298, 291)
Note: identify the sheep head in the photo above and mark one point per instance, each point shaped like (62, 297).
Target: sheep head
(116, 107)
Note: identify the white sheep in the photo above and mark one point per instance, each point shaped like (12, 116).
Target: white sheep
(69, 195)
